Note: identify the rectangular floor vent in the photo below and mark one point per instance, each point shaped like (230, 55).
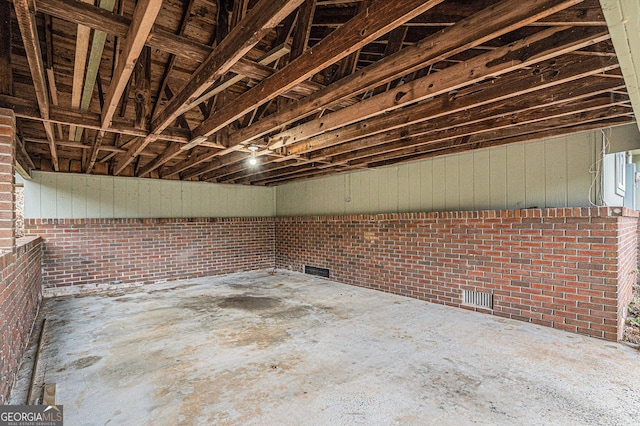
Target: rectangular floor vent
(312, 270)
(477, 298)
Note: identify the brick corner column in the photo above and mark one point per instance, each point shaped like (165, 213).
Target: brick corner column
(7, 179)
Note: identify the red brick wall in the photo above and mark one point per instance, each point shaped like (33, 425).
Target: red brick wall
(20, 295)
(80, 254)
(555, 267)
(627, 265)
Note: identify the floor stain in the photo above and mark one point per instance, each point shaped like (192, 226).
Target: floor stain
(249, 303)
(294, 312)
(85, 362)
(202, 304)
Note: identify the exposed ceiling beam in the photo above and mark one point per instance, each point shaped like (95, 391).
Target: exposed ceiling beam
(520, 83)
(529, 131)
(534, 120)
(111, 23)
(380, 18)
(485, 25)
(28, 110)
(309, 171)
(478, 28)
(6, 72)
(456, 124)
(302, 29)
(532, 50)
(28, 30)
(83, 34)
(257, 23)
(574, 91)
(93, 68)
(144, 16)
(541, 46)
(219, 87)
(184, 21)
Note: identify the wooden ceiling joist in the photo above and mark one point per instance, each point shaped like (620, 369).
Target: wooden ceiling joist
(83, 36)
(543, 45)
(143, 18)
(320, 87)
(258, 22)
(485, 25)
(527, 52)
(93, 66)
(486, 129)
(303, 29)
(28, 30)
(451, 121)
(6, 72)
(219, 87)
(368, 25)
(454, 120)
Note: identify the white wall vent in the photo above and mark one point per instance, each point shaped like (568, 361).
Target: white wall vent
(477, 298)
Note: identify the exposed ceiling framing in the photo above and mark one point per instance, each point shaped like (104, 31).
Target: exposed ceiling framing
(180, 89)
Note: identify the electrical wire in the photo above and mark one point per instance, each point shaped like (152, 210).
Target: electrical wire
(596, 171)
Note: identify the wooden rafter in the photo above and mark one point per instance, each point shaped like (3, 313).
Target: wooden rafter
(485, 25)
(449, 119)
(380, 18)
(143, 18)
(82, 46)
(261, 19)
(542, 45)
(93, 67)
(184, 21)
(173, 150)
(6, 72)
(460, 76)
(302, 29)
(28, 30)
(537, 48)
(529, 129)
(517, 121)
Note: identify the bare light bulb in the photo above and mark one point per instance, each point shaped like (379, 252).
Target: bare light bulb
(253, 161)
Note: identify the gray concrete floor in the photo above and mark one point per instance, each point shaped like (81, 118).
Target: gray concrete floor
(255, 348)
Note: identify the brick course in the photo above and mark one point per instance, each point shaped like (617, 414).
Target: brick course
(564, 268)
(84, 254)
(572, 269)
(20, 295)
